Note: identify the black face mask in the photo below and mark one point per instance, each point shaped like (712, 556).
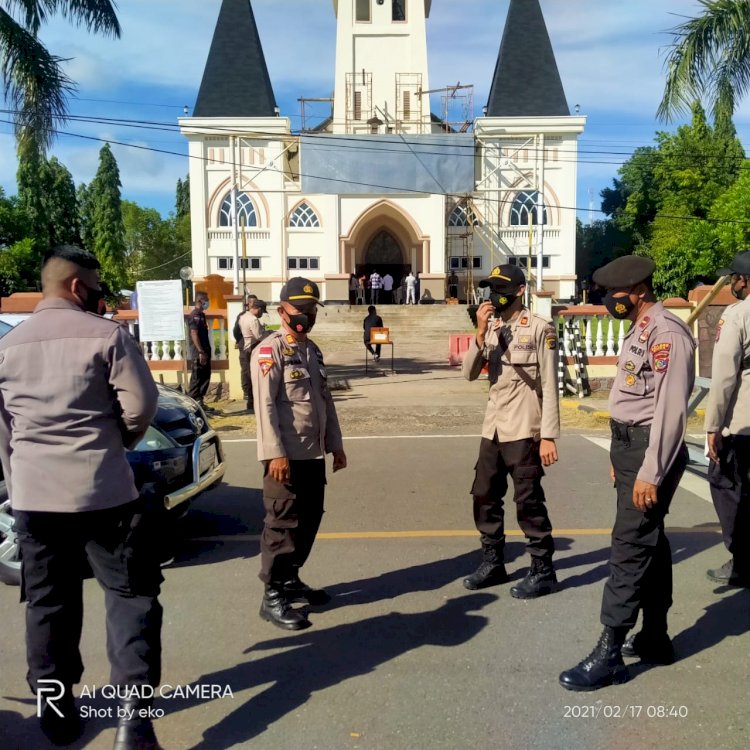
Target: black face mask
(737, 293)
(619, 307)
(93, 299)
(502, 300)
(301, 322)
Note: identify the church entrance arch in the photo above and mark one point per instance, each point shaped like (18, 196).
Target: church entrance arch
(387, 239)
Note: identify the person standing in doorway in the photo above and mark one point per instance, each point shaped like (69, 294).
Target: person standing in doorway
(388, 288)
(353, 287)
(411, 289)
(376, 284)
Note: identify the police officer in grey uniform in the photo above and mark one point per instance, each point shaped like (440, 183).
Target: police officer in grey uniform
(297, 425)
(728, 427)
(648, 408)
(75, 391)
(521, 424)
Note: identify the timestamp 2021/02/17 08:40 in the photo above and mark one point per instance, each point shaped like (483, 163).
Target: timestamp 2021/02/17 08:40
(611, 711)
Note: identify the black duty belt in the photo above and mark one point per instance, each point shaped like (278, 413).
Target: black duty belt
(628, 433)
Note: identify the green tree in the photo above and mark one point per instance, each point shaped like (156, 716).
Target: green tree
(182, 198)
(597, 244)
(34, 83)
(85, 216)
(709, 59)
(107, 232)
(19, 267)
(60, 205)
(14, 224)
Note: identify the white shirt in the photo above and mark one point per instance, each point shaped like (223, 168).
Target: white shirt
(388, 282)
(411, 281)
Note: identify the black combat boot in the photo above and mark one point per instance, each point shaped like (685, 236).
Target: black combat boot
(61, 730)
(276, 609)
(491, 570)
(602, 667)
(731, 574)
(540, 580)
(298, 591)
(653, 644)
(134, 728)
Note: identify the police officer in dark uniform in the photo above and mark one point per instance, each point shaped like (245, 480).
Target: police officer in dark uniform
(648, 408)
(297, 426)
(521, 425)
(200, 350)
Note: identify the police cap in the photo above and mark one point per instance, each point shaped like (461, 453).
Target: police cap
(740, 264)
(503, 278)
(300, 292)
(625, 272)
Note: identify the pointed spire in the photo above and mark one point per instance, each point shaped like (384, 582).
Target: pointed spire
(526, 81)
(235, 81)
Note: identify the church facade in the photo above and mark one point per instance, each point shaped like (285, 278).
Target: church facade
(383, 183)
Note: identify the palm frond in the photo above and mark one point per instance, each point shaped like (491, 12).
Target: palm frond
(718, 39)
(97, 15)
(35, 84)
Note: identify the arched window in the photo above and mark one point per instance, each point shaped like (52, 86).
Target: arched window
(462, 216)
(246, 213)
(526, 202)
(304, 217)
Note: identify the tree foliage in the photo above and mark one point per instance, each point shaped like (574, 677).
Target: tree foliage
(106, 231)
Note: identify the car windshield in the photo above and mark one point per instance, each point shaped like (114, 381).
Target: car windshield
(4, 328)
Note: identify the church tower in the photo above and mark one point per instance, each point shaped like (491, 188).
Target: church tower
(381, 67)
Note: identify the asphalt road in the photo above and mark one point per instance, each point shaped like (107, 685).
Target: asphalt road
(404, 658)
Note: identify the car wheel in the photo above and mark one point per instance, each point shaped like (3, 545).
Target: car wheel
(10, 562)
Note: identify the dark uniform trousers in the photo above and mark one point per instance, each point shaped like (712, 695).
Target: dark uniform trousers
(245, 380)
(293, 515)
(640, 562)
(200, 377)
(121, 545)
(730, 491)
(519, 459)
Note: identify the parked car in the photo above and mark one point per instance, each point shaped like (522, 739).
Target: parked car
(178, 458)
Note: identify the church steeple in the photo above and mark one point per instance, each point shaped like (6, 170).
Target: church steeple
(526, 81)
(235, 81)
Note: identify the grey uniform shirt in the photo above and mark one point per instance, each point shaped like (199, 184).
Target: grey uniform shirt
(728, 408)
(294, 410)
(655, 376)
(253, 331)
(522, 359)
(72, 384)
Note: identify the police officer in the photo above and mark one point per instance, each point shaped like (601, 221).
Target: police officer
(253, 332)
(200, 351)
(728, 427)
(648, 408)
(62, 447)
(297, 425)
(521, 424)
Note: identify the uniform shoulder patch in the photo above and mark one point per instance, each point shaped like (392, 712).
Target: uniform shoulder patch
(265, 358)
(719, 326)
(550, 340)
(660, 353)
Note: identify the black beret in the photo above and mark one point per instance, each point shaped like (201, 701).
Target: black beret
(740, 265)
(625, 272)
(300, 292)
(504, 277)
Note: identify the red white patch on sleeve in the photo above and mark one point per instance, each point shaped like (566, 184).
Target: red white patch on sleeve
(265, 351)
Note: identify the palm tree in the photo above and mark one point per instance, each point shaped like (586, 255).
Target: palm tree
(709, 60)
(34, 83)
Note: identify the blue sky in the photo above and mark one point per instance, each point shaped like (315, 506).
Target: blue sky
(610, 55)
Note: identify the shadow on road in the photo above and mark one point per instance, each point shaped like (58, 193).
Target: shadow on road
(318, 659)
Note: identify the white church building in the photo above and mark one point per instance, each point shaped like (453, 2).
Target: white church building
(383, 183)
